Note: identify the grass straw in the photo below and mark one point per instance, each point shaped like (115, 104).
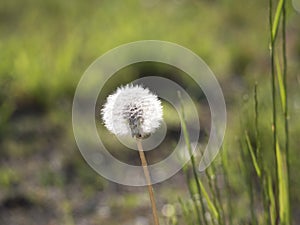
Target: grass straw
(268, 215)
(148, 180)
(256, 119)
(273, 34)
(224, 165)
(281, 154)
(192, 195)
(271, 199)
(253, 155)
(218, 196)
(194, 170)
(284, 57)
(286, 110)
(246, 170)
(210, 173)
(200, 187)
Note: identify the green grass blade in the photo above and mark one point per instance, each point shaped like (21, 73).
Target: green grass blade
(277, 19)
(188, 144)
(283, 187)
(201, 189)
(272, 203)
(256, 119)
(216, 196)
(227, 190)
(253, 157)
(210, 204)
(282, 90)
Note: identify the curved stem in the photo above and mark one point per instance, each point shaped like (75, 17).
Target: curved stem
(148, 180)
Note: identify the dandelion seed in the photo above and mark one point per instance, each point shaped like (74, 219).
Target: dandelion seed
(132, 110)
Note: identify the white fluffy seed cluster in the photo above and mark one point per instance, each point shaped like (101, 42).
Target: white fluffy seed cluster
(132, 110)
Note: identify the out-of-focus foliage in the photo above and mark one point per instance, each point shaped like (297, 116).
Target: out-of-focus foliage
(45, 47)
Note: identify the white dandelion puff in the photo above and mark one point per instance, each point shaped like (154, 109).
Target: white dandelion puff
(132, 110)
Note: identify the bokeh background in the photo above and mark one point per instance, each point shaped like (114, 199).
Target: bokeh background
(45, 47)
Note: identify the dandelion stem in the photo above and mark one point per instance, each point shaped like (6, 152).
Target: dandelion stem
(148, 180)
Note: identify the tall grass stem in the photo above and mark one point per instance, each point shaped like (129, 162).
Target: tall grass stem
(286, 111)
(194, 170)
(281, 154)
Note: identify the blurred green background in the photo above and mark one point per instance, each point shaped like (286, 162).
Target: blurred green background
(45, 47)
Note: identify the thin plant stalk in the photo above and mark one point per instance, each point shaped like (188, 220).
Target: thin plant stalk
(210, 173)
(148, 180)
(219, 199)
(192, 195)
(246, 170)
(200, 187)
(281, 154)
(286, 112)
(263, 176)
(272, 201)
(188, 143)
(273, 34)
(257, 134)
(228, 192)
(286, 120)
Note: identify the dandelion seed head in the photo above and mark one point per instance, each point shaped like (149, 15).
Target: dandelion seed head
(133, 110)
